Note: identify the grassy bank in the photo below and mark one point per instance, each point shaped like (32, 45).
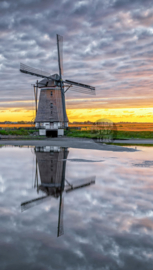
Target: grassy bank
(129, 144)
(119, 134)
(19, 132)
(82, 134)
(134, 134)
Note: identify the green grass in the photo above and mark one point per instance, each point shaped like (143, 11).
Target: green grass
(134, 134)
(82, 134)
(18, 132)
(119, 134)
(78, 133)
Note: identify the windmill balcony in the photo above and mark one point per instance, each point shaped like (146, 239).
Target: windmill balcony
(47, 129)
(47, 149)
(47, 125)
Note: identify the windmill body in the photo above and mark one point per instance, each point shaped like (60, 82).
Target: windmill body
(51, 118)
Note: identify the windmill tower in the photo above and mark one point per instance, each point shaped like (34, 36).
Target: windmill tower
(51, 164)
(51, 117)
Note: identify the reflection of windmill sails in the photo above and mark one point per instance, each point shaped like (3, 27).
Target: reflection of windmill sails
(51, 162)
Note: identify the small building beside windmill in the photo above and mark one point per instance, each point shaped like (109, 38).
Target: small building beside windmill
(49, 119)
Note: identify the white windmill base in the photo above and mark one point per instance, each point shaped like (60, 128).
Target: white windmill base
(43, 132)
(46, 128)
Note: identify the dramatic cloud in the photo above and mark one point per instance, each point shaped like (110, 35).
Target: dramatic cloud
(107, 44)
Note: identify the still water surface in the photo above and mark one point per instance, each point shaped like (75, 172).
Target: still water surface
(76, 209)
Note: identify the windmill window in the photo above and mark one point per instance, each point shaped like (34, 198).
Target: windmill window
(51, 93)
(51, 105)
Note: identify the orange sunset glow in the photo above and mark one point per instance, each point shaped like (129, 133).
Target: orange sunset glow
(81, 115)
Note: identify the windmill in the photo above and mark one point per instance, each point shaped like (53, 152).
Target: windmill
(51, 117)
(51, 162)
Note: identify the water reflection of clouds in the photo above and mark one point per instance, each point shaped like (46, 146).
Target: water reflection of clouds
(120, 193)
(108, 226)
(146, 163)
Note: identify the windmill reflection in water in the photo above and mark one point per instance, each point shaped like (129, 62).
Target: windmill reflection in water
(51, 163)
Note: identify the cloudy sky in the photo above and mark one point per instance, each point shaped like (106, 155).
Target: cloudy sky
(108, 44)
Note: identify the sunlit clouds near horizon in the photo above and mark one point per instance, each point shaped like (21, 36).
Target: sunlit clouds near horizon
(107, 44)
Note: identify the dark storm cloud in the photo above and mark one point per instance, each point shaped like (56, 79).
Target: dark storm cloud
(106, 44)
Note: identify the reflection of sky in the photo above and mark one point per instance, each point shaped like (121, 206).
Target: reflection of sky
(106, 226)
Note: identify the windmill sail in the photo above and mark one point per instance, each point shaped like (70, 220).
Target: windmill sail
(60, 65)
(80, 183)
(33, 71)
(60, 229)
(60, 53)
(80, 87)
(33, 202)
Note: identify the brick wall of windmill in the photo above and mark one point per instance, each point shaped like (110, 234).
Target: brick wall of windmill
(50, 106)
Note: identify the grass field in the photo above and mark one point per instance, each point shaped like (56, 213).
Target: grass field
(123, 131)
(18, 132)
(119, 134)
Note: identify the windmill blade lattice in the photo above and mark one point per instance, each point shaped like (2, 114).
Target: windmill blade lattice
(60, 53)
(60, 65)
(80, 183)
(80, 87)
(82, 90)
(60, 229)
(31, 203)
(34, 71)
